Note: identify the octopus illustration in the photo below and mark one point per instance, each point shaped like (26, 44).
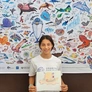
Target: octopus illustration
(4, 40)
(49, 78)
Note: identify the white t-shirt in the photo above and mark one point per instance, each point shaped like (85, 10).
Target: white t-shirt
(39, 64)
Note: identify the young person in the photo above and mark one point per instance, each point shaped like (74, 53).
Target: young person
(45, 61)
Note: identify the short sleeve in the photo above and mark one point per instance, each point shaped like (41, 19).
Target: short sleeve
(32, 69)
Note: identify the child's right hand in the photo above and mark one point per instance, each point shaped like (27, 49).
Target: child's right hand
(32, 89)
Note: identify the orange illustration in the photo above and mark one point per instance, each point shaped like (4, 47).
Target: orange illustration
(49, 78)
(4, 40)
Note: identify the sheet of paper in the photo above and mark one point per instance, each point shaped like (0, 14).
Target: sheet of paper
(48, 81)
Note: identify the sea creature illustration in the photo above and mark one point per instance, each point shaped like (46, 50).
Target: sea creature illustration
(67, 9)
(5, 0)
(46, 5)
(58, 54)
(59, 15)
(81, 61)
(7, 23)
(26, 33)
(65, 22)
(68, 60)
(6, 15)
(37, 24)
(53, 1)
(33, 17)
(49, 30)
(45, 15)
(74, 55)
(21, 19)
(5, 49)
(89, 61)
(81, 6)
(16, 49)
(12, 10)
(19, 59)
(26, 8)
(56, 23)
(59, 32)
(14, 27)
(3, 56)
(4, 40)
(90, 33)
(85, 23)
(71, 31)
(75, 21)
(49, 78)
(26, 45)
(15, 37)
(85, 41)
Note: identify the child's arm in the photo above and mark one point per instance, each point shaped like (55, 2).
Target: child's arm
(31, 84)
(64, 87)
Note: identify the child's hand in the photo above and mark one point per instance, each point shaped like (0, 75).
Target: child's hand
(32, 89)
(64, 88)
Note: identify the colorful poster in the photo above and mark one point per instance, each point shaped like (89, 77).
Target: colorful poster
(23, 22)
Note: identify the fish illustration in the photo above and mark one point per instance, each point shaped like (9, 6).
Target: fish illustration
(82, 6)
(85, 41)
(53, 1)
(68, 60)
(71, 31)
(67, 9)
(45, 15)
(5, 0)
(65, 22)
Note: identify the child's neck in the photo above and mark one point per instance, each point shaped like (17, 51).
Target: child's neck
(46, 56)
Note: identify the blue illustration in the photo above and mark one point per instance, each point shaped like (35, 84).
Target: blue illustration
(7, 23)
(37, 26)
(45, 15)
(49, 30)
(3, 55)
(53, 1)
(82, 6)
(5, 0)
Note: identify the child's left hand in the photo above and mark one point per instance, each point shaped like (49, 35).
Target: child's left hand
(64, 87)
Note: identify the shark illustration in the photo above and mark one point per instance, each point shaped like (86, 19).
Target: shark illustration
(82, 6)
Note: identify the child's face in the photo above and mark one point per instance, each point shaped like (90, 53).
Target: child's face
(46, 46)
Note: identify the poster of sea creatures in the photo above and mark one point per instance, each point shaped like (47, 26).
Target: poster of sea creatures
(68, 22)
